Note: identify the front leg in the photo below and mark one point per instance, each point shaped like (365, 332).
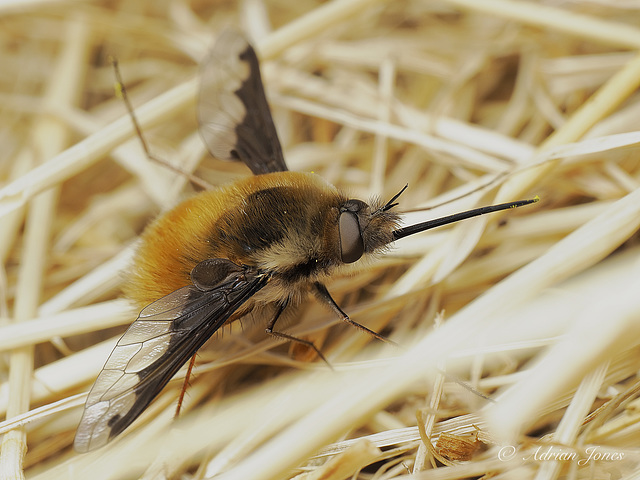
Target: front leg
(324, 296)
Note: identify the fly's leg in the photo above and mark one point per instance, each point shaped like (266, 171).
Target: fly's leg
(325, 297)
(291, 338)
(185, 385)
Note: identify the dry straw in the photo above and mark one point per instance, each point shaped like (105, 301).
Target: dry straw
(518, 333)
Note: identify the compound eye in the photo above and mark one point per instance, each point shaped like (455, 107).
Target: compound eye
(351, 244)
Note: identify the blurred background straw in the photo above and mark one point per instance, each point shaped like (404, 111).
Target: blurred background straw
(519, 334)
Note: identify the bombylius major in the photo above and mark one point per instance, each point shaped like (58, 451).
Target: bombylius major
(264, 240)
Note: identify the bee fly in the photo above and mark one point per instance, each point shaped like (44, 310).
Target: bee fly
(265, 240)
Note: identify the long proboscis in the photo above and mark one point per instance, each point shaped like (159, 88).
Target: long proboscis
(456, 217)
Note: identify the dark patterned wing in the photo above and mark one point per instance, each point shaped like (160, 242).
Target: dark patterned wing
(163, 337)
(234, 117)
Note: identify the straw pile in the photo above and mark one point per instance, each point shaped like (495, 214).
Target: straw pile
(518, 333)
